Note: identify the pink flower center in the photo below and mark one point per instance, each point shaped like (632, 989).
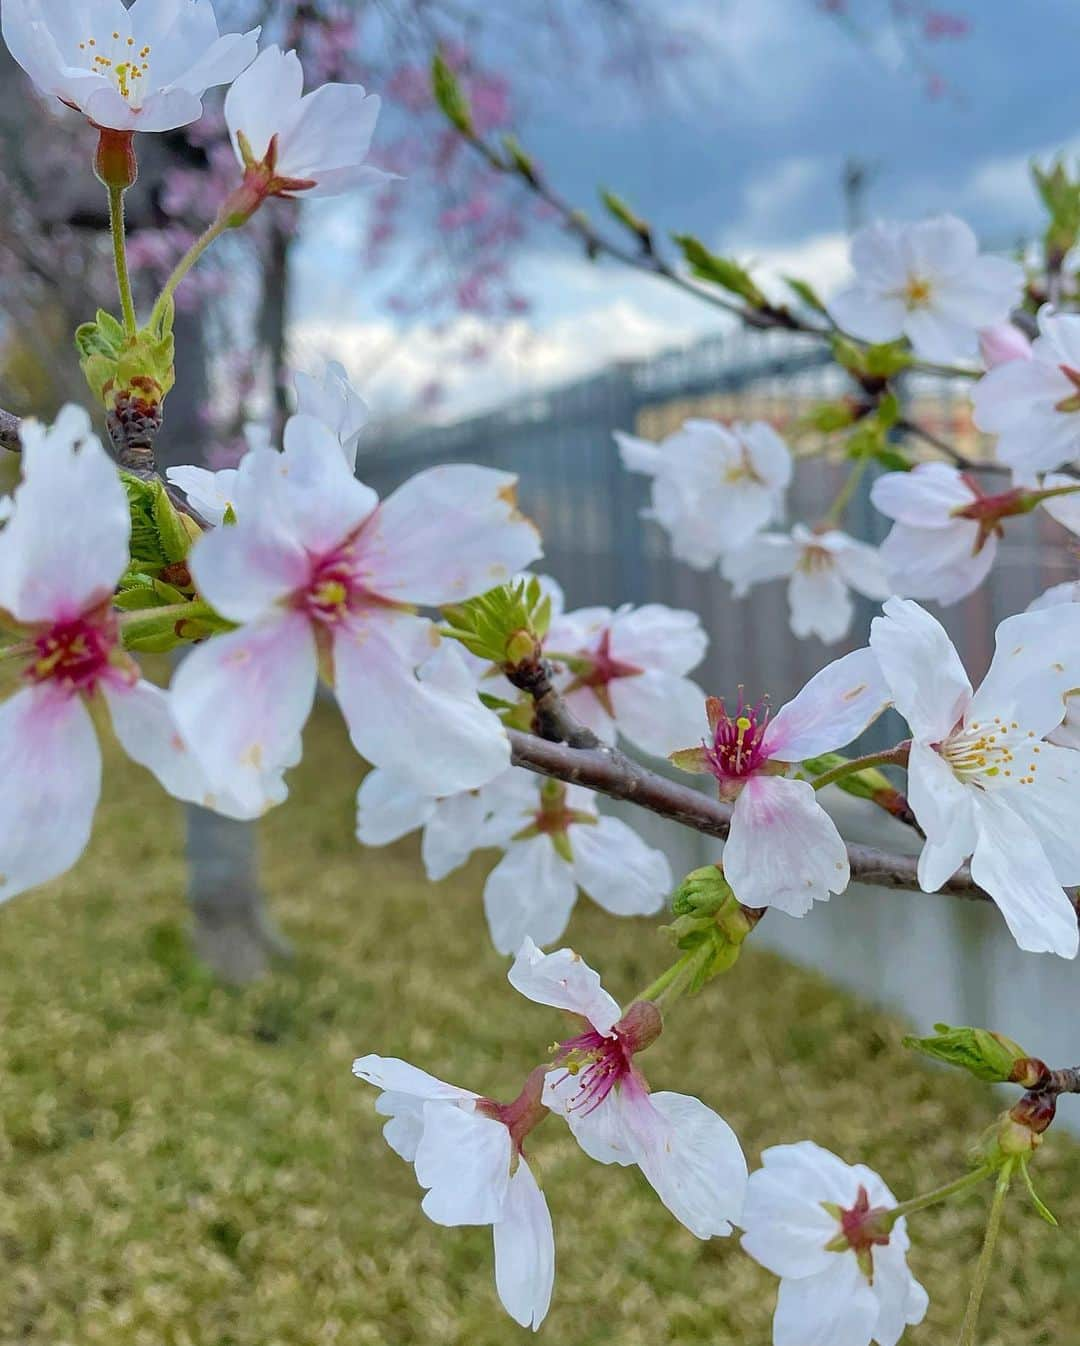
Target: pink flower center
(333, 591)
(600, 1062)
(862, 1224)
(76, 653)
(602, 669)
(737, 748)
(862, 1229)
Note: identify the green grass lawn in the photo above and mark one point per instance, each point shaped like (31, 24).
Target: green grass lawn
(184, 1165)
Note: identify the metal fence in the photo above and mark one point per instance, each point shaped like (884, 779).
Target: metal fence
(928, 956)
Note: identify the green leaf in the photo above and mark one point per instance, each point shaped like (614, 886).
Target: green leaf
(172, 527)
(888, 411)
(805, 292)
(1040, 1206)
(629, 219)
(722, 271)
(988, 1056)
(507, 625)
(892, 459)
(828, 417)
(450, 96)
(523, 163)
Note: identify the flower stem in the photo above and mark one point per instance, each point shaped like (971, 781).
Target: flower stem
(986, 1257)
(945, 1193)
(672, 982)
(184, 265)
(123, 279)
(843, 498)
(896, 756)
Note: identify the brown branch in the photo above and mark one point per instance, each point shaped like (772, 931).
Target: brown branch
(9, 431)
(612, 773)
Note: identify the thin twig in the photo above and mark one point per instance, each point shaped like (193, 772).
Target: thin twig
(612, 773)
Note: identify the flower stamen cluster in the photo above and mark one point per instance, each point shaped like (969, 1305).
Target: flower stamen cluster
(737, 749)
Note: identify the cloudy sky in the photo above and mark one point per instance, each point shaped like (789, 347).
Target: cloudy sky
(746, 148)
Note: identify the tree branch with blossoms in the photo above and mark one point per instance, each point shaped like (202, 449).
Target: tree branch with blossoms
(288, 572)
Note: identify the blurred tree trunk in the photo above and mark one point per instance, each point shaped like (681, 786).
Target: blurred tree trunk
(273, 320)
(233, 933)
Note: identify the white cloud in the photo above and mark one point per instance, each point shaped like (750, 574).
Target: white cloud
(393, 366)
(770, 200)
(821, 260)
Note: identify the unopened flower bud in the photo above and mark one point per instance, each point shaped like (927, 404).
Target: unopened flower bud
(702, 893)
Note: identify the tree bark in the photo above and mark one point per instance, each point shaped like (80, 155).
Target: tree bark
(232, 931)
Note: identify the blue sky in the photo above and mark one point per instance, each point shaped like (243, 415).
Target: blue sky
(746, 148)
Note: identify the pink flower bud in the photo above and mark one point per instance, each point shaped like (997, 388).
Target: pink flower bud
(1003, 342)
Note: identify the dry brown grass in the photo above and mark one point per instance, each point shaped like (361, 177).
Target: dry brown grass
(182, 1165)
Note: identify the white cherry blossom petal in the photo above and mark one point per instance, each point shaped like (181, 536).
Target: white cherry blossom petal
(389, 808)
(50, 781)
(833, 708)
(836, 1307)
(783, 849)
(1010, 863)
(929, 686)
(694, 1162)
(49, 570)
(617, 869)
(453, 833)
(411, 705)
(265, 674)
(525, 1251)
(463, 1159)
(565, 981)
(529, 895)
(446, 535)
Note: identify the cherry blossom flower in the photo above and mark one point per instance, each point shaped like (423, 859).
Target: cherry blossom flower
(713, 486)
(289, 142)
(625, 671)
(334, 401)
(1001, 343)
(61, 555)
(823, 567)
(553, 839)
(928, 282)
(555, 843)
(824, 1228)
(932, 551)
(140, 69)
(318, 574)
(468, 1152)
(1032, 405)
(982, 779)
(688, 1153)
(783, 849)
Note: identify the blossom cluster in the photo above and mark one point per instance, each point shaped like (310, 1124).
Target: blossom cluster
(822, 1226)
(716, 489)
(287, 572)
